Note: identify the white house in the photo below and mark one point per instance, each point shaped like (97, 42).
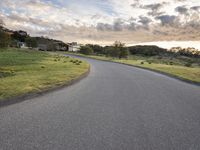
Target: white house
(73, 47)
(21, 45)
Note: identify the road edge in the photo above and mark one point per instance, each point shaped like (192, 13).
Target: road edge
(149, 69)
(30, 95)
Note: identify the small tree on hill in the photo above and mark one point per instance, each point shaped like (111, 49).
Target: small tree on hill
(86, 50)
(122, 50)
(4, 39)
(31, 42)
(4, 36)
(1, 24)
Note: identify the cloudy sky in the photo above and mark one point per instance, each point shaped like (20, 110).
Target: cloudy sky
(104, 21)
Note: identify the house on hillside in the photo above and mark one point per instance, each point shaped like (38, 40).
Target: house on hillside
(73, 47)
(21, 45)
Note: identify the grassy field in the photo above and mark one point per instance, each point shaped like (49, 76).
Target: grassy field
(24, 71)
(172, 66)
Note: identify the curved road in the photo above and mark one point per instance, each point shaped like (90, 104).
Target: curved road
(117, 107)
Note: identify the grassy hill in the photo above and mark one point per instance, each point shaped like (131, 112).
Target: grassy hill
(177, 67)
(23, 71)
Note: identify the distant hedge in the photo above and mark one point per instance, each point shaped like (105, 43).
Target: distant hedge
(147, 50)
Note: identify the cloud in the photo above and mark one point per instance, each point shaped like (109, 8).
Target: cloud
(167, 19)
(118, 25)
(182, 10)
(180, 0)
(155, 9)
(104, 27)
(195, 8)
(145, 21)
(104, 20)
(1, 22)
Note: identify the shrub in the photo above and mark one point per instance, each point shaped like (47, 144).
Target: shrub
(31, 42)
(188, 64)
(142, 63)
(97, 48)
(123, 52)
(86, 50)
(4, 39)
(149, 50)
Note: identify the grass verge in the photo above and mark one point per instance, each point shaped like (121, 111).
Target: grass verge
(26, 71)
(172, 67)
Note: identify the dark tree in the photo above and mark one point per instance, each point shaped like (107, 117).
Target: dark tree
(31, 42)
(96, 48)
(149, 50)
(20, 35)
(124, 52)
(4, 39)
(86, 50)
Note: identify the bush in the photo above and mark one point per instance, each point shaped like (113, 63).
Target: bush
(112, 51)
(150, 50)
(123, 52)
(188, 64)
(86, 50)
(4, 39)
(96, 48)
(31, 42)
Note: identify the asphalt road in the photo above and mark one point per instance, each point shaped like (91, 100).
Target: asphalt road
(117, 107)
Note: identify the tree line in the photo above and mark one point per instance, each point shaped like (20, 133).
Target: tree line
(119, 50)
(10, 38)
(13, 38)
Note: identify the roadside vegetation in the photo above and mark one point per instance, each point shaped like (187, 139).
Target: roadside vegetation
(181, 63)
(23, 71)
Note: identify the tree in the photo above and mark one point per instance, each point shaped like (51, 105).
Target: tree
(1, 24)
(20, 35)
(121, 49)
(31, 42)
(148, 50)
(4, 39)
(124, 52)
(4, 36)
(86, 50)
(112, 51)
(96, 48)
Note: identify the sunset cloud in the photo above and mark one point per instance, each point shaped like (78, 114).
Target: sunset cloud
(104, 21)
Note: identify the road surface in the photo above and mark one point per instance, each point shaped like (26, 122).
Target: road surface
(117, 107)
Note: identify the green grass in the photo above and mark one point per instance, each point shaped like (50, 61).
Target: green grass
(172, 66)
(24, 71)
